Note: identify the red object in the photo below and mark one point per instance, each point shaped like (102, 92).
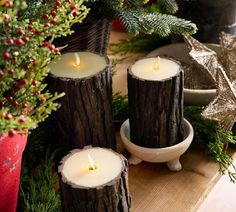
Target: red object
(11, 149)
(117, 25)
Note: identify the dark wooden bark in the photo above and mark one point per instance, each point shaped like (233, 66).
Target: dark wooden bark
(156, 111)
(111, 197)
(85, 115)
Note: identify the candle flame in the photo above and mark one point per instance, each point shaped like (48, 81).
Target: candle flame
(77, 59)
(91, 163)
(156, 65)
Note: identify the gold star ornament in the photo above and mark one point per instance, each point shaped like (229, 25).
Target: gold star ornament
(223, 107)
(204, 57)
(228, 54)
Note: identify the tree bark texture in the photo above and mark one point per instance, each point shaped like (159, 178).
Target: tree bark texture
(111, 197)
(156, 111)
(85, 115)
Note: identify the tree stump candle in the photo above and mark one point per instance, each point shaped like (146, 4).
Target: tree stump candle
(155, 93)
(85, 115)
(94, 180)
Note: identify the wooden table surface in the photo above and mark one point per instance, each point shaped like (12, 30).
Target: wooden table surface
(153, 187)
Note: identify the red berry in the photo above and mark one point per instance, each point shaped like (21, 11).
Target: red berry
(10, 71)
(37, 32)
(16, 87)
(1, 73)
(10, 41)
(51, 47)
(8, 4)
(37, 92)
(58, 3)
(53, 13)
(45, 15)
(68, 1)
(11, 4)
(20, 31)
(13, 59)
(45, 43)
(30, 27)
(47, 25)
(56, 50)
(34, 83)
(9, 98)
(22, 119)
(24, 105)
(23, 82)
(55, 6)
(2, 104)
(26, 39)
(11, 133)
(6, 55)
(6, 18)
(27, 67)
(73, 7)
(53, 21)
(10, 93)
(75, 13)
(8, 117)
(15, 103)
(19, 41)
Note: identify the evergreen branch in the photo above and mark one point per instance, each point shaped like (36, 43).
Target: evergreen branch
(38, 193)
(217, 140)
(207, 134)
(137, 21)
(164, 25)
(169, 6)
(140, 43)
(129, 18)
(119, 106)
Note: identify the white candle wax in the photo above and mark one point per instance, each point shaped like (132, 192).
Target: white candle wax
(89, 65)
(77, 170)
(156, 69)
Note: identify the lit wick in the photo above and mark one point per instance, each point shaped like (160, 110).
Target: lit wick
(91, 164)
(77, 59)
(156, 65)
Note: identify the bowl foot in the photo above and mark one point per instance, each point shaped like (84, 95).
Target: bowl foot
(174, 165)
(133, 160)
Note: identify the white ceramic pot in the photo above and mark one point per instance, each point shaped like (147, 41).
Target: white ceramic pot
(179, 51)
(170, 154)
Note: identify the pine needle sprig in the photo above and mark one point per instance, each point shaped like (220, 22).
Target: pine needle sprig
(137, 21)
(169, 6)
(209, 136)
(38, 193)
(137, 18)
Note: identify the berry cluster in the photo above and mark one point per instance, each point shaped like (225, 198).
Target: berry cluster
(26, 48)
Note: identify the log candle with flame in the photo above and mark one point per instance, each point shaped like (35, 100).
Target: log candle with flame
(84, 117)
(94, 180)
(155, 93)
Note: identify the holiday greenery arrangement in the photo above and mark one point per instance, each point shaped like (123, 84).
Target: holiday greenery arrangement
(207, 133)
(140, 16)
(39, 186)
(25, 51)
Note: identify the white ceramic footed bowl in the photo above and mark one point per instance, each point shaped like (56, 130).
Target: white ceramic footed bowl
(157, 155)
(179, 51)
